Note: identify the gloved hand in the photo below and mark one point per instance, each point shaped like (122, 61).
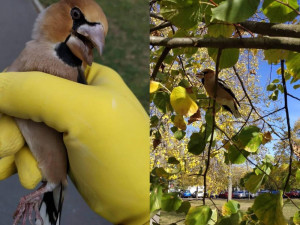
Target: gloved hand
(105, 131)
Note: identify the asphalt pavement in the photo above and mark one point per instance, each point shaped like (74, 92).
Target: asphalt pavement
(16, 21)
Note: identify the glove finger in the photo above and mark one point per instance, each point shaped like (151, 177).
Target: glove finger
(11, 139)
(7, 167)
(28, 171)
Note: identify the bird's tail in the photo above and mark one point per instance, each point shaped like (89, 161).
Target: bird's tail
(51, 207)
(235, 111)
(232, 107)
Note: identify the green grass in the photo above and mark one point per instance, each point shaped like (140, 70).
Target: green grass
(168, 218)
(127, 43)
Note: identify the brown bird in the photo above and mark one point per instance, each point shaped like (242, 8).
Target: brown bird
(63, 38)
(224, 95)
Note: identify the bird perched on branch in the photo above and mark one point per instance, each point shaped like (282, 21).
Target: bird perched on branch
(63, 39)
(224, 95)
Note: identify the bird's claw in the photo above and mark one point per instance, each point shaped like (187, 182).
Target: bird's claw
(25, 209)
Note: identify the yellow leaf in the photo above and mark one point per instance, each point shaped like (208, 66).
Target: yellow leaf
(154, 86)
(179, 122)
(182, 103)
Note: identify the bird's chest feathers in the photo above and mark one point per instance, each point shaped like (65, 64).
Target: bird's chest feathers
(49, 58)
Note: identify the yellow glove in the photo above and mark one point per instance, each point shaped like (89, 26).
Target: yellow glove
(105, 131)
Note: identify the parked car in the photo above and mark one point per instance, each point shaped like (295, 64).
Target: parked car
(292, 194)
(251, 195)
(274, 192)
(186, 194)
(239, 194)
(224, 194)
(263, 192)
(214, 195)
(200, 194)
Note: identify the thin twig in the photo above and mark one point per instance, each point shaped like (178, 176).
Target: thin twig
(287, 5)
(293, 96)
(185, 74)
(268, 114)
(246, 157)
(250, 101)
(159, 62)
(152, 14)
(288, 125)
(213, 124)
(161, 26)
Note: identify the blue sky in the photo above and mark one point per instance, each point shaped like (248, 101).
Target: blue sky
(265, 70)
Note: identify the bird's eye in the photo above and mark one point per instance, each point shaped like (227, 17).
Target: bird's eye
(75, 13)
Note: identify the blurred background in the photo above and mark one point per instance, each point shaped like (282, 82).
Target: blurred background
(126, 51)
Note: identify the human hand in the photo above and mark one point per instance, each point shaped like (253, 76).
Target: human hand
(105, 132)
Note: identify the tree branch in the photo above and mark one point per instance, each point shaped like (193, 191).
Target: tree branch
(292, 44)
(273, 29)
(288, 125)
(213, 124)
(159, 62)
(161, 26)
(287, 5)
(250, 101)
(269, 114)
(293, 96)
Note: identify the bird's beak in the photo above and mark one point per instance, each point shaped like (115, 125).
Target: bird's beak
(200, 75)
(84, 39)
(95, 34)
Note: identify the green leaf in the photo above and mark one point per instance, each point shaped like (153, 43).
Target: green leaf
(280, 88)
(296, 86)
(213, 218)
(275, 55)
(296, 218)
(160, 172)
(274, 95)
(235, 156)
(279, 13)
(179, 135)
(234, 219)
(197, 143)
(154, 121)
(231, 207)
(254, 182)
(275, 81)
(234, 11)
(268, 208)
(161, 100)
(220, 29)
(250, 138)
(170, 202)
(198, 215)
(229, 56)
(173, 160)
(271, 87)
(155, 198)
(184, 208)
(293, 65)
(174, 129)
(182, 13)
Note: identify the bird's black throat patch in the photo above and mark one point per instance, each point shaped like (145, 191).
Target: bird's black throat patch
(66, 55)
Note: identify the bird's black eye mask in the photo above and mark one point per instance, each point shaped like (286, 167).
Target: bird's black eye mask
(206, 72)
(79, 19)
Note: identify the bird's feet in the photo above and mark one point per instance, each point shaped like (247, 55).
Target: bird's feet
(27, 205)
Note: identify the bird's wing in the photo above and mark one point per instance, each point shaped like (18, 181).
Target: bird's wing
(227, 89)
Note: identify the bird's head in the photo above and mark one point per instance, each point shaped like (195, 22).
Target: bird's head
(81, 24)
(206, 74)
